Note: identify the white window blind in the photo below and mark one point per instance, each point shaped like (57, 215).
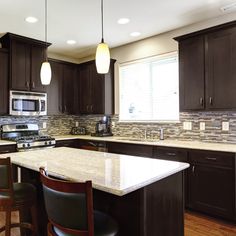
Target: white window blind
(149, 89)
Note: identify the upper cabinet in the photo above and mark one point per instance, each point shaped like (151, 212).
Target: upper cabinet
(25, 58)
(96, 91)
(4, 82)
(62, 98)
(207, 69)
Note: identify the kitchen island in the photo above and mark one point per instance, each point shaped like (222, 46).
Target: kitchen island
(144, 195)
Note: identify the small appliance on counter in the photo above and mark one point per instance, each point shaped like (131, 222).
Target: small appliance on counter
(103, 127)
(78, 130)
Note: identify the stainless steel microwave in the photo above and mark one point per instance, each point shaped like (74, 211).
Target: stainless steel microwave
(24, 103)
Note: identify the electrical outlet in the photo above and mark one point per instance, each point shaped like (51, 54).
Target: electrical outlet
(76, 124)
(187, 125)
(44, 125)
(202, 126)
(225, 126)
(113, 124)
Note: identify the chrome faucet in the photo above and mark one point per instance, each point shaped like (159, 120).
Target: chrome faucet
(161, 134)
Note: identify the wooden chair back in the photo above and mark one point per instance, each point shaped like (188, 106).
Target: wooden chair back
(6, 182)
(69, 205)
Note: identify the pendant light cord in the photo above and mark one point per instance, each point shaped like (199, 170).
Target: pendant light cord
(102, 19)
(46, 30)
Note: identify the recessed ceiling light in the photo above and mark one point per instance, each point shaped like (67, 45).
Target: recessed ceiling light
(123, 21)
(71, 42)
(31, 19)
(135, 34)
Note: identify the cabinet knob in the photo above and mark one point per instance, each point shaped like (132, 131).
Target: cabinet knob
(211, 100)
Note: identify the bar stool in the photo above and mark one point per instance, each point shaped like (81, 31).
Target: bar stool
(16, 197)
(69, 206)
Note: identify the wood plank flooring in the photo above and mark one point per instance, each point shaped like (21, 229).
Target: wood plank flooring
(195, 225)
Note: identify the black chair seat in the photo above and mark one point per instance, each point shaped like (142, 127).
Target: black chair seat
(103, 226)
(23, 192)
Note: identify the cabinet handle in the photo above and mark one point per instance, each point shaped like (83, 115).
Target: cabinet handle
(210, 100)
(91, 107)
(87, 107)
(33, 84)
(5, 151)
(211, 158)
(201, 101)
(171, 154)
(27, 84)
(193, 169)
(65, 108)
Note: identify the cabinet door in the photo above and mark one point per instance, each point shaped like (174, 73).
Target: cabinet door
(20, 66)
(84, 89)
(212, 190)
(69, 76)
(54, 90)
(37, 58)
(4, 82)
(97, 91)
(191, 73)
(221, 64)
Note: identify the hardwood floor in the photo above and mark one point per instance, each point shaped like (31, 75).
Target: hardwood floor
(200, 225)
(195, 225)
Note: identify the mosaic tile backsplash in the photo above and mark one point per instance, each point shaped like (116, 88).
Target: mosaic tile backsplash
(61, 125)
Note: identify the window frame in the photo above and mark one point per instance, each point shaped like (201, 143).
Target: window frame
(149, 60)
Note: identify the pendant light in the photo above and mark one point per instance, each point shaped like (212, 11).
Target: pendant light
(45, 72)
(102, 52)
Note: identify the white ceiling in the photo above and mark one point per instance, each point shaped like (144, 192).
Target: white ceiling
(80, 20)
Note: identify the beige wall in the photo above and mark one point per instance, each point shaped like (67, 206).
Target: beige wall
(156, 45)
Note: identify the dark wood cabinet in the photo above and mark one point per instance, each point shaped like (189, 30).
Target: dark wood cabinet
(26, 57)
(212, 183)
(207, 68)
(7, 148)
(61, 91)
(67, 143)
(191, 73)
(130, 149)
(221, 69)
(96, 91)
(4, 102)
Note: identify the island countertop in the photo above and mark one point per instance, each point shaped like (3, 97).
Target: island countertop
(112, 173)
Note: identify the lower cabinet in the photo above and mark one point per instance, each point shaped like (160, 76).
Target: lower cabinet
(130, 149)
(67, 143)
(212, 183)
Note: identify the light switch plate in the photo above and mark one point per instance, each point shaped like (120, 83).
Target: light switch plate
(76, 124)
(202, 126)
(187, 125)
(225, 126)
(44, 125)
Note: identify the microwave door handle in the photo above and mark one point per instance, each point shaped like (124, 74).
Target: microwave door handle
(39, 106)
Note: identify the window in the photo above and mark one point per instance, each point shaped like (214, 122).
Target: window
(149, 89)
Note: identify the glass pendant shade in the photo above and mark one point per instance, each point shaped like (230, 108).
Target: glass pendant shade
(102, 58)
(45, 73)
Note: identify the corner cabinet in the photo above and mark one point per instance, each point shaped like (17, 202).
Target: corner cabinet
(96, 91)
(25, 60)
(207, 69)
(62, 98)
(4, 102)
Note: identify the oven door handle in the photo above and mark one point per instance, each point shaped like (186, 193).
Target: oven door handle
(40, 106)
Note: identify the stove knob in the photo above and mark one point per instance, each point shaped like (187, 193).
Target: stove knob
(28, 145)
(23, 145)
(46, 143)
(50, 142)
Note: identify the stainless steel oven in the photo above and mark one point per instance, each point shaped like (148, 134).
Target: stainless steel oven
(25, 103)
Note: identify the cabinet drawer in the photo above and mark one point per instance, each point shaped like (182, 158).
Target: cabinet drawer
(212, 158)
(7, 149)
(171, 154)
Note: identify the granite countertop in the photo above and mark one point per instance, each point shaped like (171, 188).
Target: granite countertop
(224, 147)
(112, 173)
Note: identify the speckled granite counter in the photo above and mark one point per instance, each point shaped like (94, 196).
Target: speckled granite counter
(4, 142)
(165, 143)
(113, 173)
